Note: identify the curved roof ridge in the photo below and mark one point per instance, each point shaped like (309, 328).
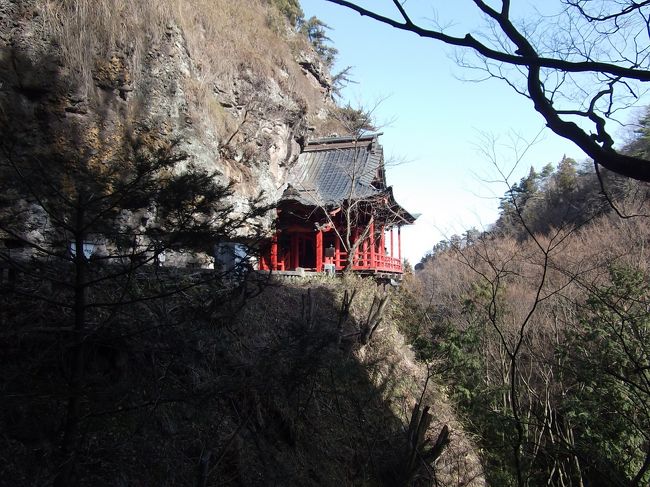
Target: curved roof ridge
(339, 139)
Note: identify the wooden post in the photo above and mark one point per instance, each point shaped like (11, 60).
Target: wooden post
(372, 243)
(364, 254)
(319, 251)
(392, 252)
(274, 252)
(382, 245)
(399, 246)
(295, 258)
(337, 251)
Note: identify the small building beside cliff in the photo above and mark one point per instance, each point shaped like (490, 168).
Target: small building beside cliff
(337, 211)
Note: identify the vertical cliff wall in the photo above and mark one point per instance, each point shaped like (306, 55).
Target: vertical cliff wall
(231, 82)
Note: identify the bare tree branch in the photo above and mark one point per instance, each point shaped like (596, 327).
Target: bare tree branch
(607, 55)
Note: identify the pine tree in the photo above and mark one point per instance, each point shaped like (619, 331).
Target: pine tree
(84, 225)
(316, 31)
(291, 10)
(640, 145)
(566, 176)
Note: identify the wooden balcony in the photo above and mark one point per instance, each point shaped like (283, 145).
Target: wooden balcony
(312, 251)
(370, 262)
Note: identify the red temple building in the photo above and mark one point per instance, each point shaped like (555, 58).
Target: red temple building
(337, 212)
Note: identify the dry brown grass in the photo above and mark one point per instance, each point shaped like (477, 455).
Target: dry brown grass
(219, 34)
(388, 365)
(223, 39)
(391, 366)
(87, 29)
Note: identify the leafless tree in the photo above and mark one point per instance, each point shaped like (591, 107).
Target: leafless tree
(579, 67)
(525, 301)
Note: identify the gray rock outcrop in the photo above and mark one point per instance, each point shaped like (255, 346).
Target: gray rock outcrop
(245, 126)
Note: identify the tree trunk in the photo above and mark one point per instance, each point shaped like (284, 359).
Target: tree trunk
(70, 442)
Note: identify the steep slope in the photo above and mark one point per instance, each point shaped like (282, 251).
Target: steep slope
(256, 386)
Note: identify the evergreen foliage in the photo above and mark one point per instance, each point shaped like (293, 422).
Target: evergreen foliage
(316, 31)
(607, 360)
(639, 146)
(86, 222)
(552, 198)
(340, 80)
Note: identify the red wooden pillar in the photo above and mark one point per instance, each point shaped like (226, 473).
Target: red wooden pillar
(337, 251)
(263, 264)
(295, 259)
(399, 245)
(364, 254)
(319, 251)
(372, 243)
(392, 253)
(274, 252)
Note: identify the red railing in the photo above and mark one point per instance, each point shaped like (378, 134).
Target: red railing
(365, 261)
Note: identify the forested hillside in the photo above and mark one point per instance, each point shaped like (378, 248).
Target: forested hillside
(540, 327)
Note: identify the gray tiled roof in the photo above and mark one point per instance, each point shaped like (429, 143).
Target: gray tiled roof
(330, 171)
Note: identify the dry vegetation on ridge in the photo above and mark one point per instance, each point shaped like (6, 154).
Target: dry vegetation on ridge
(544, 345)
(361, 397)
(221, 36)
(224, 41)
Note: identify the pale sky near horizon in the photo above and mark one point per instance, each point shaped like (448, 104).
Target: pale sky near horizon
(436, 122)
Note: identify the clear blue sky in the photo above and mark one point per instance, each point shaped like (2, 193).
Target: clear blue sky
(437, 120)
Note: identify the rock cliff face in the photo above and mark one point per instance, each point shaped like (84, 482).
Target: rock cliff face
(233, 85)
